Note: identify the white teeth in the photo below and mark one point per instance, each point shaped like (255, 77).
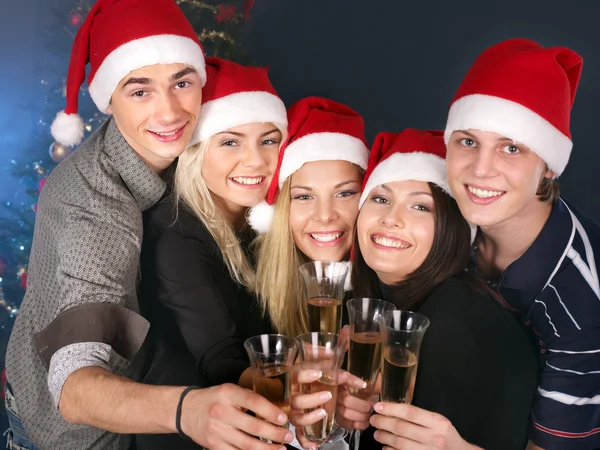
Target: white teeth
(483, 193)
(246, 180)
(167, 134)
(385, 242)
(325, 237)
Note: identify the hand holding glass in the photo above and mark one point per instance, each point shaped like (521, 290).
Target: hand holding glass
(323, 352)
(272, 357)
(364, 357)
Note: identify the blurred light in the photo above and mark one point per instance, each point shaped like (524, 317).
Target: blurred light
(22, 248)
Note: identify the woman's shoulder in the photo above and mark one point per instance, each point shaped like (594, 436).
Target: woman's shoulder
(468, 306)
(168, 214)
(456, 291)
(459, 306)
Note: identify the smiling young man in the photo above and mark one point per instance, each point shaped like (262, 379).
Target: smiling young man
(75, 351)
(508, 139)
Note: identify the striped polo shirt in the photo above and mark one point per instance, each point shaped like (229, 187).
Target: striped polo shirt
(553, 289)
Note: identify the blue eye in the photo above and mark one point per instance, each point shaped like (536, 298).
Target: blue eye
(269, 142)
(467, 142)
(228, 143)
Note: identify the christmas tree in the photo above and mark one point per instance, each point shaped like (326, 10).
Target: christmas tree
(219, 27)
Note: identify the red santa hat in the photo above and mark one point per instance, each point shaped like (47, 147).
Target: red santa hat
(411, 155)
(236, 95)
(524, 92)
(117, 37)
(319, 130)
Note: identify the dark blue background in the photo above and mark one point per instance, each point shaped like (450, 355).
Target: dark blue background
(399, 62)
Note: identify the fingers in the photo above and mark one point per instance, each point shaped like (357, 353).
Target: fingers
(346, 378)
(253, 426)
(402, 428)
(307, 401)
(393, 442)
(308, 375)
(350, 424)
(243, 398)
(300, 419)
(304, 442)
(239, 440)
(410, 413)
(362, 406)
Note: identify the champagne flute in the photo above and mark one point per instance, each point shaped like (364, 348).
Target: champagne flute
(364, 356)
(324, 282)
(272, 358)
(324, 352)
(402, 333)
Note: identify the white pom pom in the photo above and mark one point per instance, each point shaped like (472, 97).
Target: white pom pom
(260, 217)
(67, 129)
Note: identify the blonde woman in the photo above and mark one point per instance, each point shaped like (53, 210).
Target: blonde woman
(197, 272)
(311, 207)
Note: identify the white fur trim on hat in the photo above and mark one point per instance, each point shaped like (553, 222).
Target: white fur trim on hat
(161, 49)
(67, 129)
(514, 121)
(322, 147)
(239, 109)
(260, 217)
(418, 166)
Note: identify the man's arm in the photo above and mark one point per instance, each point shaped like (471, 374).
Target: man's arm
(211, 417)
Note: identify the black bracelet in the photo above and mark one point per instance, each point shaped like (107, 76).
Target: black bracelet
(178, 413)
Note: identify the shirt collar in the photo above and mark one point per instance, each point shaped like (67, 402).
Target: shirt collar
(146, 186)
(531, 271)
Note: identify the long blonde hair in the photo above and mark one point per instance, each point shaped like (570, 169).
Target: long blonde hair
(278, 282)
(192, 192)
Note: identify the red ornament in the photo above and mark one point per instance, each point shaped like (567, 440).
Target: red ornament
(41, 184)
(75, 18)
(247, 6)
(24, 281)
(225, 13)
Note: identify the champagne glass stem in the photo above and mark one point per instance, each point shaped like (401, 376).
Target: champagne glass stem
(354, 441)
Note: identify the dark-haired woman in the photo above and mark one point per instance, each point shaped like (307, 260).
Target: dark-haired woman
(477, 369)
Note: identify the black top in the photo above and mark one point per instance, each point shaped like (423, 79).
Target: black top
(477, 368)
(199, 316)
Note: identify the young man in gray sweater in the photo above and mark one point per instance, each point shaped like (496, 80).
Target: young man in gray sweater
(73, 356)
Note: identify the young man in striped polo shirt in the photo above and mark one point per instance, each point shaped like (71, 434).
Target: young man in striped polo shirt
(508, 139)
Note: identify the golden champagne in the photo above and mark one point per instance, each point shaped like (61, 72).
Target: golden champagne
(364, 361)
(274, 384)
(319, 431)
(398, 375)
(325, 314)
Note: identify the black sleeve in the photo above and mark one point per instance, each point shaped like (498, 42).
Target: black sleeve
(184, 268)
(459, 376)
(448, 378)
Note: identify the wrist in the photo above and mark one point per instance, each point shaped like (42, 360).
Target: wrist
(171, 400)
(179, 411)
